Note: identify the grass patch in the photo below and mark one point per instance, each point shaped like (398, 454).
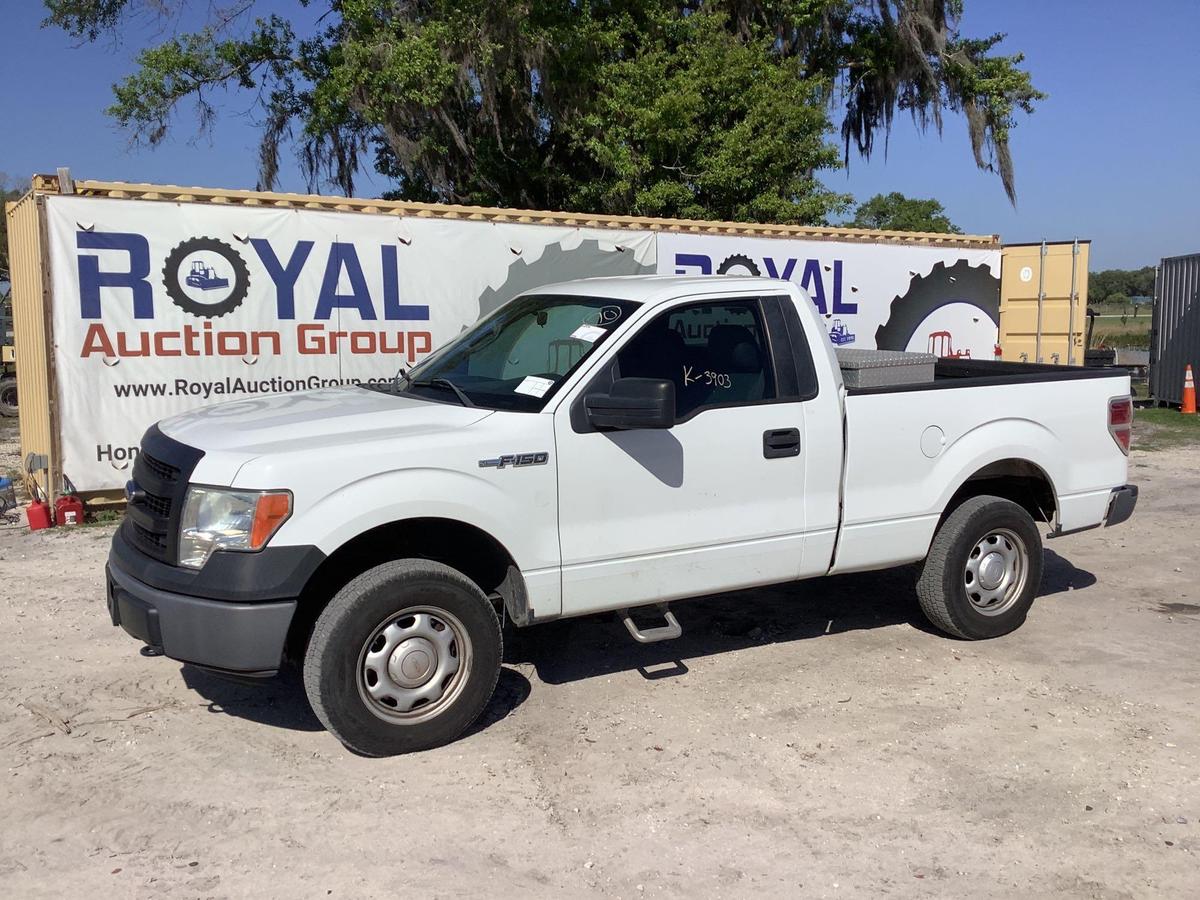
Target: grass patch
(1160, 429)
(1131, 335)
(105, 517)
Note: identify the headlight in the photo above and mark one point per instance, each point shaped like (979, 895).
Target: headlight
(222, 519)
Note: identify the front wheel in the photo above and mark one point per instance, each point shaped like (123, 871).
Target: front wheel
(983, 569)
(404, 658)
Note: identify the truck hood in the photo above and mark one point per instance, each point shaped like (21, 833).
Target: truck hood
(313, 420)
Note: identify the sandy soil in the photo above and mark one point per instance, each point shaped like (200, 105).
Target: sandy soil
(816, 739)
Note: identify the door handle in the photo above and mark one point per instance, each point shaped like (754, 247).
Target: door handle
(781, 442)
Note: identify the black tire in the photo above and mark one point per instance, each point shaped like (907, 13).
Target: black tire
(959, 283)
(238, 290)
(336, 652)
(8, 397)
(945, 598)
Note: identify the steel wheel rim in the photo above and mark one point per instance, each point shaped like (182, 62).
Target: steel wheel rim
(413, 665)
(995, 572)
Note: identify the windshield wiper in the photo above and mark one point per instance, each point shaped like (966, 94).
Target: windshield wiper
(446, 383)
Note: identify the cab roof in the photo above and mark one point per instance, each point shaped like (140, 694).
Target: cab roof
(651, 289)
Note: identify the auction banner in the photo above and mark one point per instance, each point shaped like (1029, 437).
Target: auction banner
(940, 300)
(162, 307)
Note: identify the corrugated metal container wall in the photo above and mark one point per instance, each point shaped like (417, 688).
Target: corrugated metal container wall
(31, 332)
(1175, 329)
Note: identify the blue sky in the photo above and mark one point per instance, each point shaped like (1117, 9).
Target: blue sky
(1112, 155)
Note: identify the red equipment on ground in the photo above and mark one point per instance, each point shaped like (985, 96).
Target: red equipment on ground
(68, 510)
(38, 514)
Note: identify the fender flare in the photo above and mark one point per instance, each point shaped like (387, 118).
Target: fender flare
(424, 493)
(1023, 440)
(1023, 460)
(455, 498)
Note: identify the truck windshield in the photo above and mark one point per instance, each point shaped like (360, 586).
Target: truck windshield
(517, 357)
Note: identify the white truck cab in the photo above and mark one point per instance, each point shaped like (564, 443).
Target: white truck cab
(600, 445)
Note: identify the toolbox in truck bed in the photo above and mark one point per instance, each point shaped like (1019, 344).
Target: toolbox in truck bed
(884, 368)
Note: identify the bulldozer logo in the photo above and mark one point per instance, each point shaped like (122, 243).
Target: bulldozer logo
(839, 334)
(206, 277)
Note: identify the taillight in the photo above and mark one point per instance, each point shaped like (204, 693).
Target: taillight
(1120, 421)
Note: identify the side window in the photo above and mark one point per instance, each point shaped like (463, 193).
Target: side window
(715, 353)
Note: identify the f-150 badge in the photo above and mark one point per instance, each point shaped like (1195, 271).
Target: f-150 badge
(515, 460)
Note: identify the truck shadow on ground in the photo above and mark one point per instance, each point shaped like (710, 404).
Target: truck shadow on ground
(281, 702)
(577, 649)
(724, 623)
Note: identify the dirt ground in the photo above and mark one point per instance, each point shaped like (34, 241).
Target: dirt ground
(10, 448)
(811, 740)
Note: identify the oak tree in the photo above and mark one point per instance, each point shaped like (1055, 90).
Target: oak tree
(700, 108)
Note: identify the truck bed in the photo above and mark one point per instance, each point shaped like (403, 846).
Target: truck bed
(907, 451)
(963, 373)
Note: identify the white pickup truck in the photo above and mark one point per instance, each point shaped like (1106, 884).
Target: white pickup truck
(600, 445)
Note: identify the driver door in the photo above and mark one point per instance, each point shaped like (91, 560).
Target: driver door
(712, 504)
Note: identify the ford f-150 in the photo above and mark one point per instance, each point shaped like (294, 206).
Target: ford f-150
(601, 445)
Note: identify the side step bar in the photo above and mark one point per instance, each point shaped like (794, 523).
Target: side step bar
(667, 632)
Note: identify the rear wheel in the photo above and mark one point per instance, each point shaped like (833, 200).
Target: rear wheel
(8, 397)
(983, 569)
(404, 658)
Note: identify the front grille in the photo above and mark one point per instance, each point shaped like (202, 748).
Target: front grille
(160, 506)
(161, 472)
(165, 471)
(150, 540)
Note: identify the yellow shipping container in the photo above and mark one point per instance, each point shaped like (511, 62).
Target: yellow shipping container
(38, 420)
(1043, 300)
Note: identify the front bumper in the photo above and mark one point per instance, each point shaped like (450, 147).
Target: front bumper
(241, 626)
(246, 638)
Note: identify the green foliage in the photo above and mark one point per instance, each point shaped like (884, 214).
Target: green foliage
(702, 124)
(87, 19)
(895, 212)
(1116, 286)
(193, 65)
(989, 90)
(704, 108)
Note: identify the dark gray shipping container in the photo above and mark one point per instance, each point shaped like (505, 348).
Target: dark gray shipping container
(1175, 328)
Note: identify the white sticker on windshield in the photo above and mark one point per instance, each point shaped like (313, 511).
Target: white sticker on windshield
(534, 386)
(589, 333)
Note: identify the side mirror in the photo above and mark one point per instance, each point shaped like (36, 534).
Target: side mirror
(633, 403)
